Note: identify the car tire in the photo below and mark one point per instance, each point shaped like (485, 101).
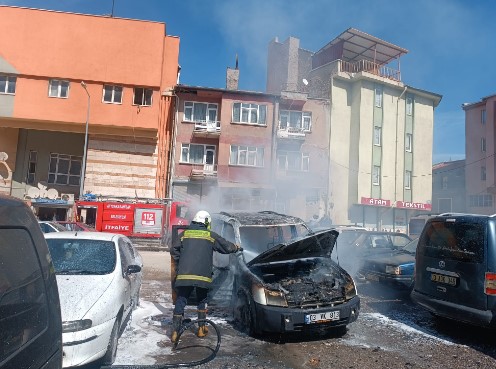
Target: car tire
(246, 313)
(109, 357)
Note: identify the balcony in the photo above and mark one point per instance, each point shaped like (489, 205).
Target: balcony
(291, 133)
(203, 172)
(370, 67)
(206, 129)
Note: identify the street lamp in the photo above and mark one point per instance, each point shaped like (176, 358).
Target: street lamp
(85, 150)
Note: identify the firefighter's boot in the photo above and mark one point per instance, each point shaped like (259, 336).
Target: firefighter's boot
(202, 326)
(176, 326)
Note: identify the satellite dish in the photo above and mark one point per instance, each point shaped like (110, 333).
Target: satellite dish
(3, 156)
(305, 82)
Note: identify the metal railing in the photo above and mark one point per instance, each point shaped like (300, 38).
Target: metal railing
(204, 170)
(370, 67)
(291, 132)
(207, 126)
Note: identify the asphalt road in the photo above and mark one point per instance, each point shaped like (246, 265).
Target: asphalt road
(391, 332)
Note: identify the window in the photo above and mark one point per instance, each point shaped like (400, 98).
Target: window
(444, 184)
(481, 200)
(142, 96)
(247, 155)
(112, 94)
(483, 173)
(64, 169)
(483, 144)
(376, 175)
(33, 159)
(293, 160)
(58, 88)
(249, 113)
(483, 116)
(408, 142)
(299, 120)
(195, 154)
(377, 136)
(8, 85)
(378, 96)
(408, 179)
(200, 112)
(409, 106)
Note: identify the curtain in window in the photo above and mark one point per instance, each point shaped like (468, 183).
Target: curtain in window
(260, 157)
(185, 153)
(200, 113)
(233, 159)
(262, 110)
(196, 153)
(236, 112)
(295, 119)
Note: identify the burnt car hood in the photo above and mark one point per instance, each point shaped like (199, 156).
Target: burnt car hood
(314, 245)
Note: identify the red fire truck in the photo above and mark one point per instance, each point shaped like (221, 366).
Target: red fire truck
(132, 217)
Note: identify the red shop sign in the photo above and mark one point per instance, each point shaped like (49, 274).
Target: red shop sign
(375, 202)
(148, 218)
(413, 205)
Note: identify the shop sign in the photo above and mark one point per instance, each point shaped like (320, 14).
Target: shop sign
(413, 205)
(375, 202)
(118, 206)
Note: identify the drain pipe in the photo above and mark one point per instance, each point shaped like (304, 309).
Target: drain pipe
(396, 150)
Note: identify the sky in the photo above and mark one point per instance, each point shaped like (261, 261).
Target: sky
(451, 43)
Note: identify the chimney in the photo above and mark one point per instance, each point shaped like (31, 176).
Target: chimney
(232, 77)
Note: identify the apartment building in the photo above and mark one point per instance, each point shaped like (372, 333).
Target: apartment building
(448, 187)
(75, 84)
(246, 150)
(381, 129)
(480, 170)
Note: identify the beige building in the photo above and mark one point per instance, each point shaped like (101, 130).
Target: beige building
(381, 130)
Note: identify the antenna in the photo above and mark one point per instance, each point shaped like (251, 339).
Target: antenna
(112, 14)
(236, 61)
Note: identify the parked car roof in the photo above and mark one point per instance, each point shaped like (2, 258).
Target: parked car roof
(104, 236)
(266, 218)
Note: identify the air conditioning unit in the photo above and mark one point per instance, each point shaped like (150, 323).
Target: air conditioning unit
(69, 197)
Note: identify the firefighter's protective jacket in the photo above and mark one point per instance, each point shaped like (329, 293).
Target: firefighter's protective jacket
(193, 255)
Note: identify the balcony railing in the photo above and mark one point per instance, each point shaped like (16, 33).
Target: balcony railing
(206, 128)
(294, 133)
(204, 171)
(370, 67)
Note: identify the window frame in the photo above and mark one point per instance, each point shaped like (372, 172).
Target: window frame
(32, 174)
(143, 96)
(56, 174)
(205, 149)
(209, 108)
(376, 175)
(112, 100)
(377, 136)
(306, 116)
(250, 108)
(409, 106)
(483, 173)
(8, 81)
(304, 161)
(255, 152)
(409, 142)
(378, 96)
(408, 179)
(483, 116)
(60, 84)
(483, 144)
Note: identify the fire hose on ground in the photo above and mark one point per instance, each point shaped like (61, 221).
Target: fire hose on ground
(183, 328)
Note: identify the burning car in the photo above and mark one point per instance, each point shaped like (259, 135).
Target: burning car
(284, 280)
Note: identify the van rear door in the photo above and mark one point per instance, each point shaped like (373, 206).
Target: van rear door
(451, 261)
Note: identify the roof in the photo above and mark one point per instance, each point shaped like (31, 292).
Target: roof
(358, 45)
(264, 218)
(445, 164)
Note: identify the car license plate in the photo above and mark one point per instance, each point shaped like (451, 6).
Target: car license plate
(446, 279)
(321, 317)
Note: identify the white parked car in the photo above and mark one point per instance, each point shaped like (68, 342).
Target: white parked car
(99, 279)
(51, 226)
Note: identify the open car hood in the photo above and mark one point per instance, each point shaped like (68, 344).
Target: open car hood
(313, 245)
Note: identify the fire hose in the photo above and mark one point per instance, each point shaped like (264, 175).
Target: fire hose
(183, 328)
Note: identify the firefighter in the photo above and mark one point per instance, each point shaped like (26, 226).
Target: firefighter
(192, 254)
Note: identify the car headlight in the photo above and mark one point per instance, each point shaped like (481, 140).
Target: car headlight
(392, 269)
(76, 325)
(350, 290)
(264, 296)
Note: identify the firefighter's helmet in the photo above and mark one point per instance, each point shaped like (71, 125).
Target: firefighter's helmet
(203, 217)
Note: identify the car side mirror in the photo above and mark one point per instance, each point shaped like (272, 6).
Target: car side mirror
(131, 269)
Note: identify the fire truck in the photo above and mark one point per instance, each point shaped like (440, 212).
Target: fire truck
(132, 217)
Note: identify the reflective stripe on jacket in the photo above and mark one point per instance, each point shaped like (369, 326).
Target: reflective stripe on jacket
(194, 253)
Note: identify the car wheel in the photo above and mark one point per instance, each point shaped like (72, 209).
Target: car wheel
(246, 313)
(111, 353)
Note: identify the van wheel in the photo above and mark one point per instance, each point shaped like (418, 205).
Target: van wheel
(111, 353)
(246, 313)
